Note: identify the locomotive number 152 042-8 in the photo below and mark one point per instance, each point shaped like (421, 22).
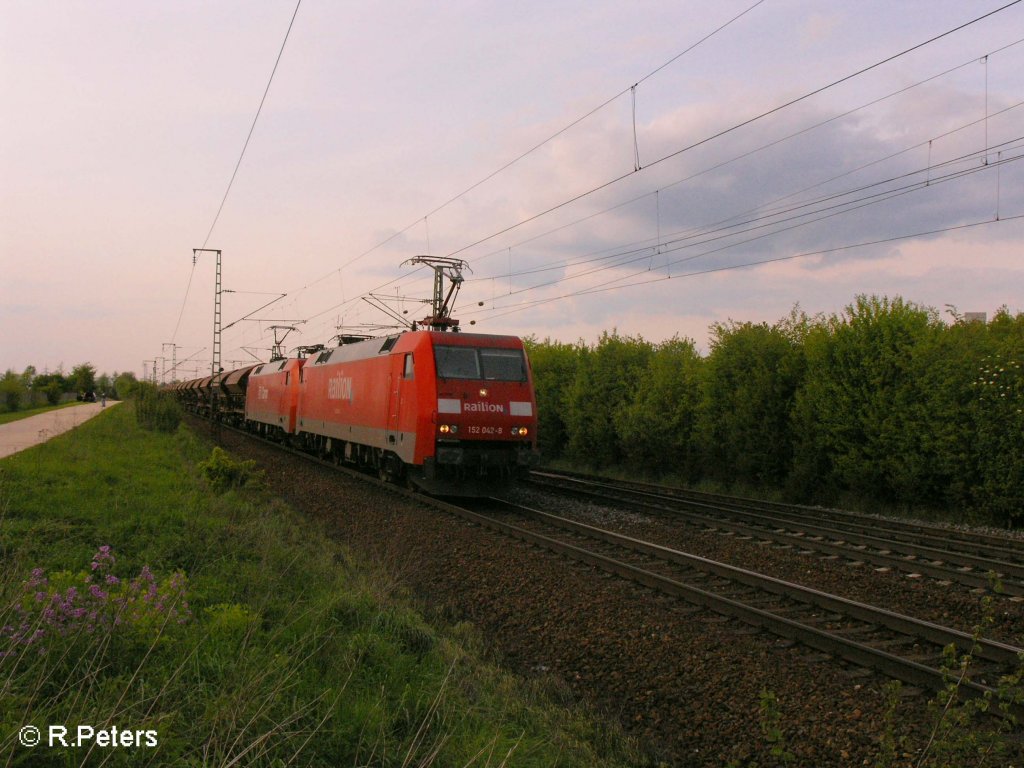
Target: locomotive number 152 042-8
(475, 429)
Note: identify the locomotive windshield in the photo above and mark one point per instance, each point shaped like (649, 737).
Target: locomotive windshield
(486, 363)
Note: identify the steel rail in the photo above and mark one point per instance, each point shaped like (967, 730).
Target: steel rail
(936, 553)
(936, 633)
(947, 539)
(983, 542)
(863, 655)
(772, 529)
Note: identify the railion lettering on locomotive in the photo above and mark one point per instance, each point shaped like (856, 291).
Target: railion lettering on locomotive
(479, 407)
(339, 388)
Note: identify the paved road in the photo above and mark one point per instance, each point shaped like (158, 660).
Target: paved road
(24, 433)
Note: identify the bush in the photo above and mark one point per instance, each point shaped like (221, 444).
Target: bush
(11, 391)
(223, 472)
(156, 408)
(53, 393)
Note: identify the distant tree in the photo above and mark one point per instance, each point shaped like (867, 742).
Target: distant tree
(939, 467)
(125, 385)
(606, 380)
(83, 377)
(12, 390)
(656, 428)
(28, 375)
(27, 378)
(554, 366)
(863, 409)
(750, 381)
(998, 422)
(50, 385)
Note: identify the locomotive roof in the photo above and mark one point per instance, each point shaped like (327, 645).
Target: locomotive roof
(276, 365)
(361, 350)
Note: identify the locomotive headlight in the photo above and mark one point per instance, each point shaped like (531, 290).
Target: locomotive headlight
(444, 429)
(520, 431)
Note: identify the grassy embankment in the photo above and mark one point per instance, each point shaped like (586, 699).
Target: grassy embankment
(8, 416)
(233, 628)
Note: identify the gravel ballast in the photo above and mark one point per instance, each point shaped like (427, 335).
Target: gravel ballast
(685, 681)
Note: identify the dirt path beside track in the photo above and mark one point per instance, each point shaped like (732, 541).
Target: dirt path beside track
(24, 433)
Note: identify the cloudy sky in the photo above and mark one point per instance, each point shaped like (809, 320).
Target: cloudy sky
(508, 135)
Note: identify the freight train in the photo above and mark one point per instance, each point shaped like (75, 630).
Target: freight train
(449, 413)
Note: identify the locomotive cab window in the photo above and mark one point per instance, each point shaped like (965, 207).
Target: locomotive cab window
(476, 363)
(503, 364)
(407, 373)
(457, 362)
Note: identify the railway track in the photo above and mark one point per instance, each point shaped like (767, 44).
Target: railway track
(898, 646)
(978, 561)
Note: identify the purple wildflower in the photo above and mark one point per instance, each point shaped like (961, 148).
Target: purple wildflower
(103, 559)
(92, 604)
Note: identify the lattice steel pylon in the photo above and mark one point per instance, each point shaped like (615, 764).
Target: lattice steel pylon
(215, 364)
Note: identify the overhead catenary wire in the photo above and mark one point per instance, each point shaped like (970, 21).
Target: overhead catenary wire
(728, 130)
(511, 163)
(776, 142)
(709, 234)
(620, 281)
(759, 262)
(637, 255)
(733, 128)
(764, 213)
(252, 127)
(536, 146)
(776, 109)
(238, 164)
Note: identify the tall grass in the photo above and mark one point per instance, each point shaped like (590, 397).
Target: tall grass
(156, 408)
(134, 594)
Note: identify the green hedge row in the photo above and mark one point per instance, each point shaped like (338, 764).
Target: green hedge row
(883, 403)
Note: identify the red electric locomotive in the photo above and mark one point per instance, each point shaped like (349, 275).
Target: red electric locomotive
(451, 413)
(272, 398)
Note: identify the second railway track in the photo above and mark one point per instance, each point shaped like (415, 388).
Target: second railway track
(898, 646)
(959, 557)
(895, 645)
(656, 662)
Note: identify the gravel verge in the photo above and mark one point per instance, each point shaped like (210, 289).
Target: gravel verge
(686, 682)
(950, 604)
